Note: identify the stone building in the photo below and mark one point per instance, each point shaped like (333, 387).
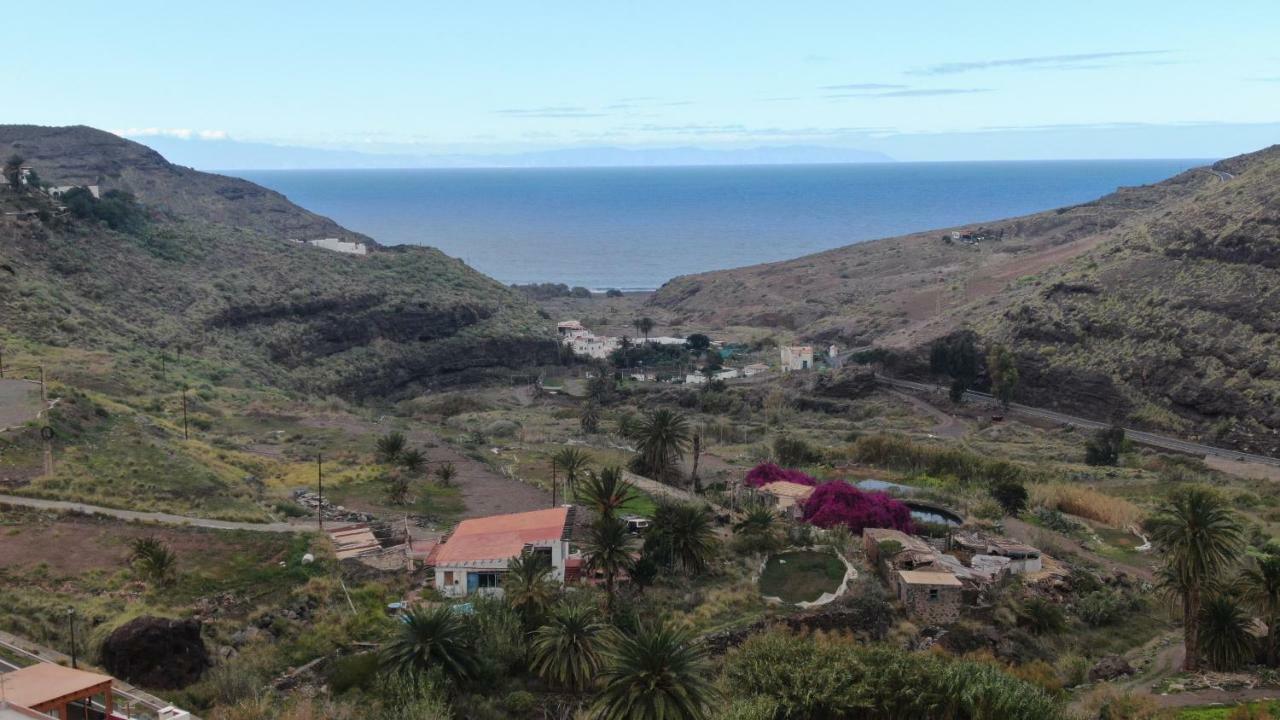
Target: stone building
(932, 597)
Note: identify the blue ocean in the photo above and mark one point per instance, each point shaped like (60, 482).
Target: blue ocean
(636, 228)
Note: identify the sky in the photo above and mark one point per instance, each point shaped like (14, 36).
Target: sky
(918, 81)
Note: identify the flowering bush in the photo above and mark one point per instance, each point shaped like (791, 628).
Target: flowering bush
(765, 473)
(839, 503)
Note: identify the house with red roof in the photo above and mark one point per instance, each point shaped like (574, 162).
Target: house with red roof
(474, 557)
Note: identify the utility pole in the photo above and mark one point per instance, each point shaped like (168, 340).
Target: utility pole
(46, 434)
(185, 435)
(71, 620)
(553, 482)
(320, 492)
(44, 394)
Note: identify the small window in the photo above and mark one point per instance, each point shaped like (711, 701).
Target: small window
(448, 577)
(933, 594)
(487, 580)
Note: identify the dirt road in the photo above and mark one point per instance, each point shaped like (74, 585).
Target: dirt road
(168, 519)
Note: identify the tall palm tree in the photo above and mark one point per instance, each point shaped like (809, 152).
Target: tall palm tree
(574, 463)
(606, 492)
(682, 536)
(568, 650)
(590, 418)
(659, 673)
(528, 587)
(1199, 536)
(389, 447)
(1224, 633)
(608, 546)
(662, 437)
(434, 638)
(643, 325)
(1260, 586)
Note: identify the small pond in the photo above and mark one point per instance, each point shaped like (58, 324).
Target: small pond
(920, 511)
(801, 575)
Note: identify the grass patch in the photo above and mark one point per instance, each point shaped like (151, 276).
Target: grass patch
(801, 576)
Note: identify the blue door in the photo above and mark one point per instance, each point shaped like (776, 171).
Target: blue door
(473, 582)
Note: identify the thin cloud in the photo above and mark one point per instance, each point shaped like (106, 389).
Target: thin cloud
(552, 111)
(910, 93)
(1076, 61)
(864, 86)
(180, 133)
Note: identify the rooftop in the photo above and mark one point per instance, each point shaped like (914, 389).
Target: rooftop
(44, 682)
(501, 537)
(918, 577)
(9, 711)
(786, 488)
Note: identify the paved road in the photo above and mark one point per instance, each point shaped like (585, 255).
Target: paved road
(166, 518)
(1140, 436)
(1223, 175)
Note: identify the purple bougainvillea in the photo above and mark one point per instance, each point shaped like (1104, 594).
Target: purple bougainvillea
(839, 503)
(765, 473)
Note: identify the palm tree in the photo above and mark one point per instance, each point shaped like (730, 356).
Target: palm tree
(528, 587)
(590, 418)
(573, 462)
(759, 520)
(397, 487)
(567, 651)
(660, 673)
(608, 547)
(1224, 633)
(643, 325)
(606, 492)
(446, 473)
(682, 536)
(1259, 585)
(662, 437)
(412, 461)
(434, 638)
(153, 560)
(1199, 536)
(389, 447)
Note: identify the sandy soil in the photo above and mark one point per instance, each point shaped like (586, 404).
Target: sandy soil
(1249, 471)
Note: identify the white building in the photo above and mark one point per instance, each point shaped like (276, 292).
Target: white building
(695, 379)
(343, 246)
(57, 192)
(474, 557)
(593, 346)
(796, 357)
(754, 369)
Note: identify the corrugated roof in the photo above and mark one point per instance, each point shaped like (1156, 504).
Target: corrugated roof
(42, 682)
(920, 577)
(499, 537)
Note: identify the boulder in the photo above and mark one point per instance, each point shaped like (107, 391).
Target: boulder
(156, 653)
(1110, 668)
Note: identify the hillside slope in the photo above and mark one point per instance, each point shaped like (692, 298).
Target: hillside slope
(213, 271)
(1157, 305)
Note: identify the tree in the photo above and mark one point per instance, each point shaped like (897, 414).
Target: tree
(1002, 367)
(13, 172)
(1105, 447)
(608, 547)
(590, 418)
(838, 503)
(613, 293)
(568, 650)
(446, 473)
(602, 389)
(1198, 536)
(644, 325)
(681, 536)
(412, 461)
(697, 455)
(697, 343)
(1224, 633)
(574, 463)
(606, 492)
(389, 446)
(430, 639)
(659, 673)
(397, 482)
(153, 560)
(661, 437)
(757, 532)
(957, 357)
(528, 587)
(1012, 496)
(1260, 586)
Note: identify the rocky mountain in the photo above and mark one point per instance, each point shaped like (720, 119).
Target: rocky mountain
(206, 263)
(1156, 305)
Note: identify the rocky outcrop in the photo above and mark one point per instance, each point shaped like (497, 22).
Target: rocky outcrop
(156, 653)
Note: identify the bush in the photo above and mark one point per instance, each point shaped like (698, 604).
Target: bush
(969, 468)
(1087, 503)
(790, 452)
(766, 473)
(839, 503)
(1105, 447)
(1012, 496)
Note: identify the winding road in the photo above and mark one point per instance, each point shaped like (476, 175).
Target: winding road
(166, 518)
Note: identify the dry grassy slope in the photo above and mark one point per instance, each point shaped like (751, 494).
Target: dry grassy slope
(278, 312)
(1157, 304)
